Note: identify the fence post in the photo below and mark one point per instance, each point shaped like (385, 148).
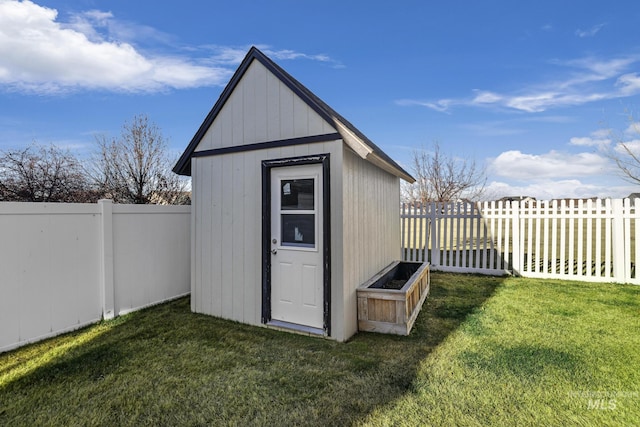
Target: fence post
(617, 230)
(107, 290)
(517, 257)
(433, 232)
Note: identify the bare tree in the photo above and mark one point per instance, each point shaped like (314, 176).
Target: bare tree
(625, 151)
(40, 173)
(135, 167)
(442, 178)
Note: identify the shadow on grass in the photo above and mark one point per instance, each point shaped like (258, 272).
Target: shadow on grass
(524, 361)
(166, 365)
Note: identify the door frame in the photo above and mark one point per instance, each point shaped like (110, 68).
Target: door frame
(267, 165)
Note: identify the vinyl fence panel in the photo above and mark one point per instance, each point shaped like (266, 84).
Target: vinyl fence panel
(591, 240)
(151, 248)
(49, 270)
(64, 266)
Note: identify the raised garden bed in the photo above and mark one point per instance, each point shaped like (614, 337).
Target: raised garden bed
(391, 300)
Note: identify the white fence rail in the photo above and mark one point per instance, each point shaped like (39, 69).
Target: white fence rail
(64, 266)
(589, 240)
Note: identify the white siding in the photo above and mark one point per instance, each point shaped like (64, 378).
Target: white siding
(228, 222)
(365, 227)
(261, 109)
(227, 214)
(371, 227)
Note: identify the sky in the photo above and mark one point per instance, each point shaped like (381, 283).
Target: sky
(535, 92)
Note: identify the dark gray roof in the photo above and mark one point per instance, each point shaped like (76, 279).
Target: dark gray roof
(347, 130)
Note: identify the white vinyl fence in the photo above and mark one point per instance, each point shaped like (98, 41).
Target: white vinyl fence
(589, 240)
(64, 266)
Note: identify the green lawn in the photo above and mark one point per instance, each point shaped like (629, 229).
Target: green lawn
(484, 351)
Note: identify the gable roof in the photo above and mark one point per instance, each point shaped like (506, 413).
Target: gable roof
(355, 139)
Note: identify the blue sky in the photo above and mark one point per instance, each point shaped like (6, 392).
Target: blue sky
(536, 91)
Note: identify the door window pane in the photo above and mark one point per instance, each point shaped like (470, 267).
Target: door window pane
(296, 194)
(298, 230)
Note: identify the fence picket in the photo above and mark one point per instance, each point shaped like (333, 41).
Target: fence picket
(627, 241)
(580, 246)
(465, 218)
(634, 271)
(494, 239)
(546, 212)
(538, 218)
(487, 241)
(590, 241)
(504, 252)
(478, 222)
(606, 229)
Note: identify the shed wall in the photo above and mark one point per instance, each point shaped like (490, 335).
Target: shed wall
(227, 216)
(262, 108)
(371, 227)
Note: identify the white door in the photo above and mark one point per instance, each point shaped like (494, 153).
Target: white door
(296, 245)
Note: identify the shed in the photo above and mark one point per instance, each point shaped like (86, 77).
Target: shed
(292, 206)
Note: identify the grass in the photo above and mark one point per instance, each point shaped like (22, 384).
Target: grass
(484, 351)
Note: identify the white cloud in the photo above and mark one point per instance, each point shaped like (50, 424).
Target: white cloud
(587, 141)
(600, 138)
(555, 175)
(597, 69)
(99, 25)
(290, 54)
(590, 32)
(559, 189)
(486, 97)
(230, 56)
(601, 133)
(585, 80)
(39, 54)
(516, 165)
(234, 55)
(631, 147)
(633, 129)
(94, 50)
(441, 105)
(629, 83)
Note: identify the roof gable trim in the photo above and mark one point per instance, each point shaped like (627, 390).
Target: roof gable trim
(365, 148)
(268, 145)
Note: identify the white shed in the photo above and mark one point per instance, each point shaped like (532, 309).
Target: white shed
(292, 207)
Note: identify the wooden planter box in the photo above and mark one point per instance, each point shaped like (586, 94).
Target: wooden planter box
(393, 311)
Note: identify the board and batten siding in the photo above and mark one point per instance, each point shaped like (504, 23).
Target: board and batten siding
(227, 236)
(227, 194)
(371, 227)
(227, 214)
(260, 109)
(227, 203)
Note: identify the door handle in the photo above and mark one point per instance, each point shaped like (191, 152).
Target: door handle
(274, 251)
